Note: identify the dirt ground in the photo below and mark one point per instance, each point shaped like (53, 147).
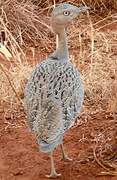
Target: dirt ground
(20, 158)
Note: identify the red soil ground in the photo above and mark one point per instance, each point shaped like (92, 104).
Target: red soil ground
(20, 158)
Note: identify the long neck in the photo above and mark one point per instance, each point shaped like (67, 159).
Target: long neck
(61, 51)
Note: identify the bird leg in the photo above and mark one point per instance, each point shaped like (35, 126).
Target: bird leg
(64, 155)
(53, 173)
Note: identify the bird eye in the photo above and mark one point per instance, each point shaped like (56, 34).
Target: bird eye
(66, 13)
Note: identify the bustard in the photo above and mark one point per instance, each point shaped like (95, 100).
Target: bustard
(54, 92)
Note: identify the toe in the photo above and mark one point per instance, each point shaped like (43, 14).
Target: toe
(66, 158)
(53, 175)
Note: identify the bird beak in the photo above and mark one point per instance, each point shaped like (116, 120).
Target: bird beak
(82, 9)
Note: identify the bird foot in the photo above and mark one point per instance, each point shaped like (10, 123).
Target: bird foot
(66, 158)
(53, 175)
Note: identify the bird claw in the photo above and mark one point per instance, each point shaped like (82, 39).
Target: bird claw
(66, 158)
(53, 175)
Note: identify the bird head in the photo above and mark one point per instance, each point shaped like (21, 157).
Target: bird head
(64, 13)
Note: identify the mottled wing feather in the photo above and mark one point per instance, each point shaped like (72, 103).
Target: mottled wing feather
(53, 96)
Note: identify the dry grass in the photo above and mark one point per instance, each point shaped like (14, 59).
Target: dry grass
(100, 75)
(97, 59)
(99, 7)
(93, 50)
(23, 23)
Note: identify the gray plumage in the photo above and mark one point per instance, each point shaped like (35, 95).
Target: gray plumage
(54, 92)
(54, 96)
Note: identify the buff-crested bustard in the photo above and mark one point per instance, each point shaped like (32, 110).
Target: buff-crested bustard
(54, 92)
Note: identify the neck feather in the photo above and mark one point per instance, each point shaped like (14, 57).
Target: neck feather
(61, 51)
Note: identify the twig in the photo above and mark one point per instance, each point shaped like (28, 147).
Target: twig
(108, 174)
(97, 160)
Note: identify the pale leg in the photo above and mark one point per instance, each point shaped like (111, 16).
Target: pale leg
(64, 155)
(53, 173)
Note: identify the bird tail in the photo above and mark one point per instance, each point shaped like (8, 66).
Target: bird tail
(48, 125)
